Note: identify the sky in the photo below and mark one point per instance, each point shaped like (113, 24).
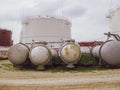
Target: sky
(88, 17)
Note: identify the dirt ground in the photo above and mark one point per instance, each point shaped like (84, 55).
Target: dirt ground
(42, 80)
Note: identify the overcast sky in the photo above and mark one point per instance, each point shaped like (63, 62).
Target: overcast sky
(88, 17)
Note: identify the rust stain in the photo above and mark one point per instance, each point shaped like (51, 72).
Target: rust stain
(75, 56)
(72, 46)
(71, 52)
(76, 49)
(66, 51)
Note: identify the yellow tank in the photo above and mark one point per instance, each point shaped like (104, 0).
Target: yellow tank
(70, 53)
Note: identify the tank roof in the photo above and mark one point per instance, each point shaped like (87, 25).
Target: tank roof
(45, 17)
(6, 30)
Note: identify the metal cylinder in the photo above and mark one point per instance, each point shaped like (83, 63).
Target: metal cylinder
(70, 53)
(95, 51)
(53, 52)
(49, 29)
(40, 56)
(18, 54)
(109, 52)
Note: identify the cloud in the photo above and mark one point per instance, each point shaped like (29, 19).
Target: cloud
(55, 7)
(74, 11)
(88, 17)
(44, 8)
(114, 3)
(10, 10)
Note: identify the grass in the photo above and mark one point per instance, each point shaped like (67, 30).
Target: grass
(87, 59)
(76, 69)
(5, 65)
(86, 64)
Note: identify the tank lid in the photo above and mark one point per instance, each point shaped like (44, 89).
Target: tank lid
(26, 19)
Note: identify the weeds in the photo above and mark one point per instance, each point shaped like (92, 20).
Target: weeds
(86, 64)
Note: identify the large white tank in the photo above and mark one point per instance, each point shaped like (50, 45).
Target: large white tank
(49, 29)
(114, 17)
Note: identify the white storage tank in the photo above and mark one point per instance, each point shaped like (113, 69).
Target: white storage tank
(114, 17)
(49, 29)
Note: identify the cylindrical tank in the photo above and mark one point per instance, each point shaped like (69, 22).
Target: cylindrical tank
(49, 29)
(109, 52)
(18, 54)
(40, 55)
(70, 53)
(95, 51)
(53, 52)
(5, 37)
(114, 17)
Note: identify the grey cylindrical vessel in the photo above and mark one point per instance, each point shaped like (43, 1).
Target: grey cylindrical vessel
(110, 52)
(40, 55)
(95, 51)
(53, 52)
(18, 54)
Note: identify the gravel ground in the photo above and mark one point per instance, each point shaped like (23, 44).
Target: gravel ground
(40, 80)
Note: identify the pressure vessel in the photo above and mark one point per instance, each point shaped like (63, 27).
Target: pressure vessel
(40, 55)
(95, 51)
(109, 52)
(53, 52)
(18, 54)
(70, 53)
